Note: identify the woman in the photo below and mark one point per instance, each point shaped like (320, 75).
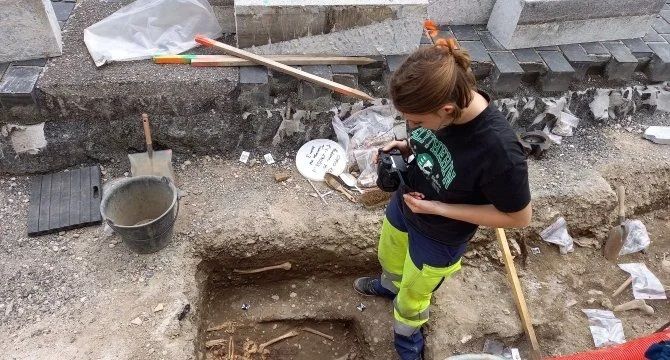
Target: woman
(466, 169)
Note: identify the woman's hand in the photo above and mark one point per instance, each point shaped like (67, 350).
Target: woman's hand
(417, 203)
(402, 145)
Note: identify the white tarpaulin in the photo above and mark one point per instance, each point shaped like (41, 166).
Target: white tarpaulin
(150, 27)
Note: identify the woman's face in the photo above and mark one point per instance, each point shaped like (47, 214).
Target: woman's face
(431, 121)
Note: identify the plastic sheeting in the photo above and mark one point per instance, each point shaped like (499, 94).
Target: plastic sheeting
(645, 284)
(637, 238)
(606, 329)
(150, 27)
(557, 233)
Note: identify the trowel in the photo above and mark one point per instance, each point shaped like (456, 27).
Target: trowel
(158, 163)
(617, 234)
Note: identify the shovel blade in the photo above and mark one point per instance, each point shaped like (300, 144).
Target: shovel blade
(160, 164)
(614, 243)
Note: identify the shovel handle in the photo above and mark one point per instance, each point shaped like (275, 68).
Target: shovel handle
(147, 134)
(621, 194)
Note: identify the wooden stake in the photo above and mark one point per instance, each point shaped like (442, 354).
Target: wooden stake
(261, 60)
(623, 287)
(519, 298)
(284, 266)
(227, 60)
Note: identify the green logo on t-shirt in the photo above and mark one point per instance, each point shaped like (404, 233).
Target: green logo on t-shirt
(433, 158)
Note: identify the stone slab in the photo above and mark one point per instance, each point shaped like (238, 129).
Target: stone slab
(261, 23)
(658, 68)
(460, 12)
(465, 32)
(507, 73)
(63, 10)
(17, 86)
(490, 42)
(560, 73)
(30, 30)
(623, 63)
(482, 64)
(652, 36)
(532, 23)
(390, 37)
(578, 58)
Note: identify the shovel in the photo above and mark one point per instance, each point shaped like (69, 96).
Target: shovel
(618, 234)
(158, 163)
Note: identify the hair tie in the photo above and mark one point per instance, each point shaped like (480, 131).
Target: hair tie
(450, 43)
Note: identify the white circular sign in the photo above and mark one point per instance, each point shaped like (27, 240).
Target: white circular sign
(317, 157)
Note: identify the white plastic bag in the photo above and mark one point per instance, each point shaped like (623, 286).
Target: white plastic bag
(150, 27)
(637, 237)
(606, 329)
(361, 134)
(557, 233)
(646, 285)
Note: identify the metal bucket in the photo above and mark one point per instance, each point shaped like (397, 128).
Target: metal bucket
(142, 210)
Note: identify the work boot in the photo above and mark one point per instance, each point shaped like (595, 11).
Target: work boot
(370, 286)
(409, 347)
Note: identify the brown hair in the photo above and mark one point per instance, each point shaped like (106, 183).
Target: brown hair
(432, 77)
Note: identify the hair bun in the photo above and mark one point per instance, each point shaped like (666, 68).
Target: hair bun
(449, 43)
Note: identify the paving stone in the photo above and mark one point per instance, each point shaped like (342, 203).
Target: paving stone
(661, 26)
(595, 48)
(464, 32)
(316, 97)
(63, 10)
(17, 86)
(547, 48)
(623, 63)
(33, 62)
(393, 62)
(653, 36)
(637, 47)
(344, 69)
(482, 64)
(666, 38)
(578, 58)
(490, 42)
(531, 63)
(507, 73)
(560, 73)
(665, 14)
(658, 68)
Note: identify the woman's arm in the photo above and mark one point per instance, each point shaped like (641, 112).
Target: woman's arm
(484, 215)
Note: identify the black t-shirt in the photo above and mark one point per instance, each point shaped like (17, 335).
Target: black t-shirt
(479, 162)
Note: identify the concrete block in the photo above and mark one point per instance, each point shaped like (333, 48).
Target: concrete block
(622, 65)
(29, 30)
(532, 23)
(63, 10)
(465, 32)
(638, 48)
(344, 69)
(261, 24)
(390, 37)
(599, 55)
(658, 68)
(481, 61)
(393, 62)
(226, 17)
(507, 73)
(532, 64)
(661, 25)
(316, 97)
(17, 87)
(652, 36)
(559, 72)
(460, 12)
(490, 42)
(578, 58)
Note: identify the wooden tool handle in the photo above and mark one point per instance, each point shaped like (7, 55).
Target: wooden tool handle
(147, 134)
(347, 194)
(621, 194)
(519, 298)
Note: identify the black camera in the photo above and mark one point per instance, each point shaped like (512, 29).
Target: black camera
(391, 170)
